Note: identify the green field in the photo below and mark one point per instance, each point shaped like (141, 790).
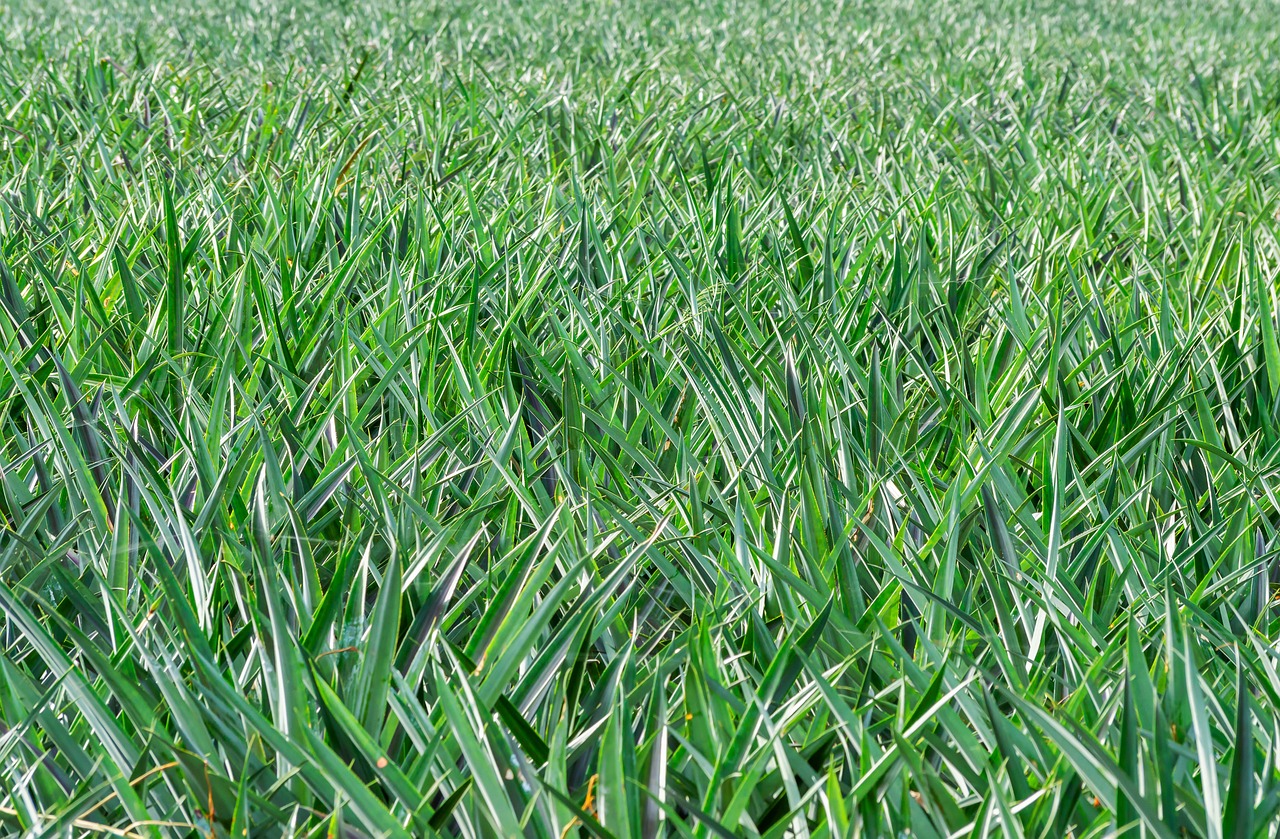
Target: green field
(694, 418)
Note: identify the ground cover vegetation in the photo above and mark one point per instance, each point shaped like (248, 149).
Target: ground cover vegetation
(694, 418)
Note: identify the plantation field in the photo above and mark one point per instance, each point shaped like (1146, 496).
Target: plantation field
(698, 418)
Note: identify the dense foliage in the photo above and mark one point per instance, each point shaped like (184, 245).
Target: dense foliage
(692, 418)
